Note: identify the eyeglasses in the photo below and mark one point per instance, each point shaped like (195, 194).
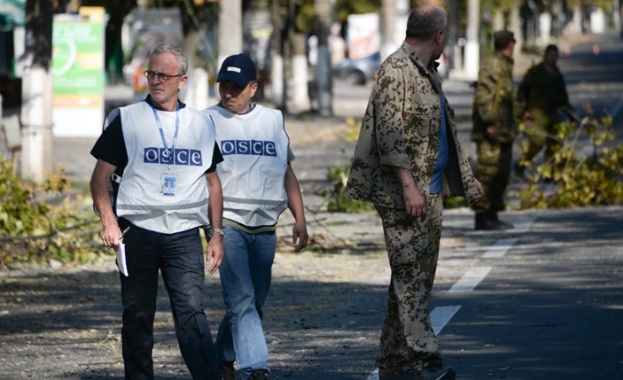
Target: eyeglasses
(150, 74)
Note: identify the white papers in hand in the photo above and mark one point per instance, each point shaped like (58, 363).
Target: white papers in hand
(121, 263)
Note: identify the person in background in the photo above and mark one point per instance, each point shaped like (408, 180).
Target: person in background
(162, 157)
(541, 94)
(407, 158)
(258, 185)
(494, 130)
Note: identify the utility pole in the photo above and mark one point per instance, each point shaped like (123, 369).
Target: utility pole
(36, 113)
(324, 18)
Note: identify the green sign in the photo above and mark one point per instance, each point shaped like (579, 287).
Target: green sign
(77, 62)
(78, 77)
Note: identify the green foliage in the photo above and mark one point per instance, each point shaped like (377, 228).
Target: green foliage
(336, 200)
(337, 175)
(455, 202)
(353, 127)
(32, 229)
(306, 15)
(575, 179)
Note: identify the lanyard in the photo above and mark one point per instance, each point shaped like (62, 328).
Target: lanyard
(168, 151)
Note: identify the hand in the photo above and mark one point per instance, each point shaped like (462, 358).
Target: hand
(481, 191)
(112, 236)
(299, 236)
(415, 206)
(492, 131)
(214, 256)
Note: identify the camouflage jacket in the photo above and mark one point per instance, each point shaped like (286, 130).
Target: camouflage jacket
(494, 99)
(401, 128)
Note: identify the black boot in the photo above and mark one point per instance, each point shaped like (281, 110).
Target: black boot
(504, 225)
(485, 222)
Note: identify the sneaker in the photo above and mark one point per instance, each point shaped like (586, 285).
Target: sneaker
(433, 372)
(227, 371)
(260, 374)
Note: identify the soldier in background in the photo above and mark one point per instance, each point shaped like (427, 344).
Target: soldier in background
(541, 94)
(494, 130)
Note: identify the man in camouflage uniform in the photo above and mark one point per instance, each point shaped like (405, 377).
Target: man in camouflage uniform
(407, 156)
(541, 94)
(494, 130)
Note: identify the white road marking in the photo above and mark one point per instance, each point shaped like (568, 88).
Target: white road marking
(523, 225)
(614, 111)
(499, 249)
(470, 279)
(441, 315)
(374, 375)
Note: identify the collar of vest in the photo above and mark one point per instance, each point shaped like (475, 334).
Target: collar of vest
(151, 102)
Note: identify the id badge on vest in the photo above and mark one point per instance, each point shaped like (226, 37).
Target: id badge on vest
(169, 184)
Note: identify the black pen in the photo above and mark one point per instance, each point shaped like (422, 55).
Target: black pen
(124, 232)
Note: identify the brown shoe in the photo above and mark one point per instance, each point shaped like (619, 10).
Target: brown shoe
(227, 371)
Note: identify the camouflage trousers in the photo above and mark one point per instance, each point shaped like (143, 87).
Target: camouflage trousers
(493, 169)
(542, 133)
(408, 341)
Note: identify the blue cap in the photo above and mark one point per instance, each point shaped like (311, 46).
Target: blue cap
(238, 69)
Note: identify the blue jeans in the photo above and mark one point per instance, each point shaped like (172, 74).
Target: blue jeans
(245, 279)
(179, 257)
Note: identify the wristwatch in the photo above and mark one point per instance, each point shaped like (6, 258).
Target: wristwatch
(218, 231)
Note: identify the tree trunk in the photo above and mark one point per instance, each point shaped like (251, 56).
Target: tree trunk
(324, 83)
(229, 29)
(36, 113)
(472, 47)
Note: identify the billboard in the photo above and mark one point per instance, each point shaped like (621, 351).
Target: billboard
(78, 73)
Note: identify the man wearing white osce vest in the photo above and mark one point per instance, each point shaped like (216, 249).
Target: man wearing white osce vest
(161, 157)
(258, 185)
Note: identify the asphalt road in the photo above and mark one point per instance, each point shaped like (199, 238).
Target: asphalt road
(542, 301)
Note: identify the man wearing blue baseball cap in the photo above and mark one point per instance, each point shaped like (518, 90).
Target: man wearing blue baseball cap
(258, 185)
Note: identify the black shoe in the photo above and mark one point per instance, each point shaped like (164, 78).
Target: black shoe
(485, 223)
(437, 373)
(384, 375)
(260, 374)
(505, 226)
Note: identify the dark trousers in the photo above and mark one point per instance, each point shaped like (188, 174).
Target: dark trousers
(179, 257)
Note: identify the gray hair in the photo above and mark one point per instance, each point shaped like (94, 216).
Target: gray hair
(177, 52)
(426, 20)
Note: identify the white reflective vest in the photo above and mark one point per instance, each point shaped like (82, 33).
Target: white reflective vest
(255, 152)
(141, 199)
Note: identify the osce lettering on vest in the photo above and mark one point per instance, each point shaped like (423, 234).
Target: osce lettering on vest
(249, 147)
(182, 157)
